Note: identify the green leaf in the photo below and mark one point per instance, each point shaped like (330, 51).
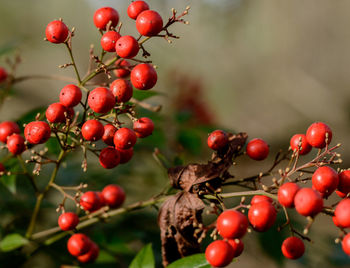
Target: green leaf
(9, 182)
(144, 259)
(144, 94)
(12, 242)
(193, 261)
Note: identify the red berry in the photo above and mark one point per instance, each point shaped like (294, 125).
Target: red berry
(15, 144)
(113, 195)
(260, 198)
(56, 32)
(55, 113)
(101, 100)
(7, 128)
(335, 221)
(109, 158)
(257, 149)
(79, 244)
(217, 140)
(91, 255)
(219, 253)
(127, 47)
(37, 132)
(143, 127)
(293, 248)
(124, 138)
(135, 8)
(232, 224)
(344, 182)
(299, 140)
(262, 216)
(108, 134)
(90, 201)
(3, 75)
(149, 23)
(340, 194)
(316, 135)
(92, 130)
(342, 213)
(286, 194)
(346, 244)
(325, 180)
(125, 155)
(143, 76)
(121, 89)
(237, 246)
(108, 41)
(104, 15)
(308, 202)
(124, 70)
(70, 95)
(102, 200)
(68, 221)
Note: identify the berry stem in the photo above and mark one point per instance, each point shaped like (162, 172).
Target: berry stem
(246, 193)
(26, 172)
(73, 62)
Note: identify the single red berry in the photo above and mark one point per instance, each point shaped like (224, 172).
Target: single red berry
(125, 155)
(109, 157)
(68, 221)
(286, 194)
(3, 75)
(104, 15)
(217, 140)
(293, 248)
(92, 130)
(2, 168)
(262, 216)
(113, 195)
(124, 138)
(15, 144)
(308, 202)
(7, 128)
(108, 134)
(219, 253)
(135, 8)
(70, 95)
(316, 135)
(90, 201)
(257, 149)
(325, 180)
(232, 224)
(123, 71)
(121, 89)
(346, 244)
(237, 246)
(55, 113)
(342, 213)
(335, 221)
(37, 132)
(143, 76)
(299, 143)
(108, 41)
(91, 255)
(149, 23)
(79, 244)
(56, 32)
(127, 47)
(344, 182)
(143, 127)
(101, 100)
(260, 198)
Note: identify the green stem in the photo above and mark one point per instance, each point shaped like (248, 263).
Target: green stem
(26, 172)
(73, 62)
(246, 193)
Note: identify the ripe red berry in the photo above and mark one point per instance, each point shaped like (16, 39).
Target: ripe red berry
(237, 246)
(15, 144)
(92, 130)
(113, 195)
(143, 127)
(257, 149)
(7, 128)
(125, 155)
(104, 15)
(346, 244)
(149, 23)
(335, 221)
(316, 135)
(286, 194)
(68, 221)
(219, 253)
(342, 213)
(124, 138)
(3, 75)
(135, 8)
(260, 198)
(217, 140)
(101, 100)
(262, 216)
(293, 248)
(232, 224)
(344, 182)
(55, 113)
(37, 132)
(70, 95)
(90, 201)
(143, 76)
(123, 71)
(109, 157)
(299, 140)
(79, 244)
(121, 89)
(108, 134)
(108, 41)
(127, 47)
(325, 180)
(56, 32)
(308, 202)
(91, 255)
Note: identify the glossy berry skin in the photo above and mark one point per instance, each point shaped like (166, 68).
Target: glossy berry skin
(121, 89)
(101, 100)
(123, 71)
(56, 32)
(286, 194)
(346, 244)
(344, 182)
(70, 95)
(342, 213)
(7, 128)
(68, 221)
(15, 144)
(104, 15)
(108, 41)
(149, 23)
(3, 75)
(37, 132)
(91, 255)
(293, 248)
(109, 158)
(262, 216)
(90, 201)
(125, 155)
(108, 134)
(143, 127)
(92, 130)
(217, 140)
(79, 244)
(335, 221)
(308, 202)
(257, 149)
(260, 198)
(113, 195)
(297, 140)
(219, 253)
(55, 113)
(232, 224)
(237, 246)
(127, 47)
(143, 76)
(135, 8)
(325, 180)
(316, 134)
(124, 138)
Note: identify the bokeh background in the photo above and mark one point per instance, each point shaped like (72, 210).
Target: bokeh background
(266, 67)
